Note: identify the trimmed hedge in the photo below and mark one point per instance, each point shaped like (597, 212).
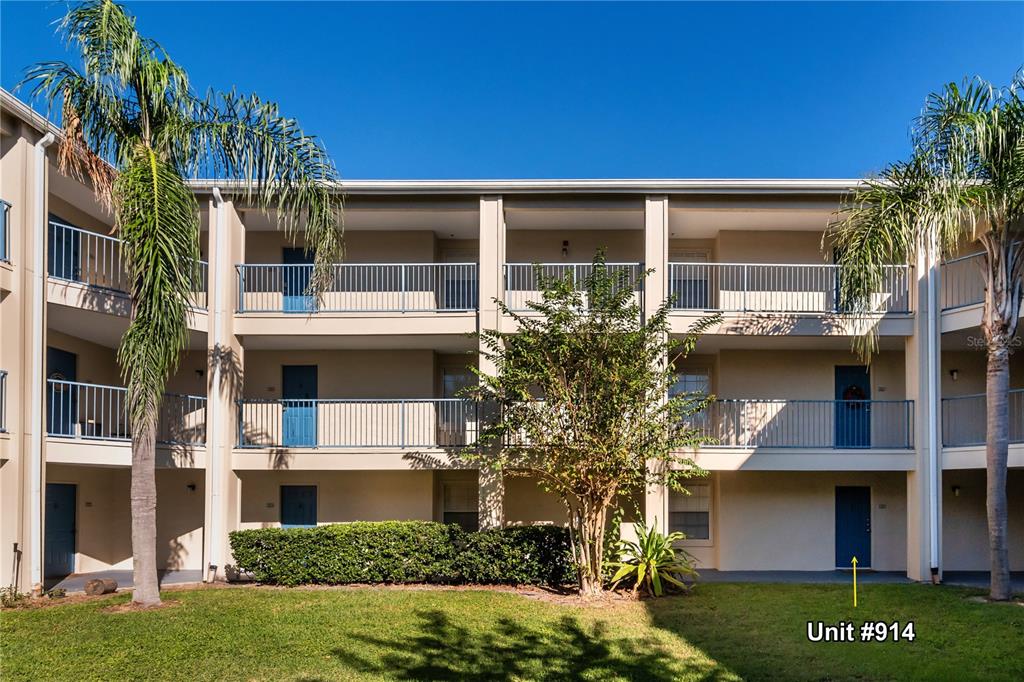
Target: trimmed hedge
(404, 552)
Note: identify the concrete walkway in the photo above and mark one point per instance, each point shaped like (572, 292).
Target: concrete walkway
(709, 575)
(978, 579)
(76, 581)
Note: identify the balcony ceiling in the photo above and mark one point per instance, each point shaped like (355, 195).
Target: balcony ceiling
(714, 342)
(100, 328)
(442, 343)
(706, 220)
(77, 194)
(448, 220)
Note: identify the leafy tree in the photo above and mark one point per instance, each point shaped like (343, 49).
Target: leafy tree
(135, 128)
(581, 391)
(963, 182)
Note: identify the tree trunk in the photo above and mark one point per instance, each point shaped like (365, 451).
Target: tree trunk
(997, 385)
(147, 587)
(999, 324)
(588, 531)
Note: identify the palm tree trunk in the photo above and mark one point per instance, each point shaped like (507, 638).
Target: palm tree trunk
(997, 385)
(143, 500)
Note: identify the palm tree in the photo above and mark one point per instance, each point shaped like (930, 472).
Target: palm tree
(963, 183)
(134, 127)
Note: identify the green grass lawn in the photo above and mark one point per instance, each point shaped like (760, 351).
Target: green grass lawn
(721, 632)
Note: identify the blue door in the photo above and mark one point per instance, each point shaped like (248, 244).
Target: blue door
(853, 407)
(64, 252)
(853, 526)
(62, 399)
(298, 271)
(299, 391)
(298, 506)
(59, 540)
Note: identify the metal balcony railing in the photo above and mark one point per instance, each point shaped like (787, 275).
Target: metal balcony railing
(831, 424)
(379, 287)
(344, 423)
(3, 400)
(775, 288)
(77, 255)
(964, 419)
(962, 283)
(98, 412)
(522, 280)
(5, 232)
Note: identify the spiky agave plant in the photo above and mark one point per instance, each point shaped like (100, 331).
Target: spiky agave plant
(135, 129)
(653, 560)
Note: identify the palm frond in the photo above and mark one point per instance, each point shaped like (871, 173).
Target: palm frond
(157, 217)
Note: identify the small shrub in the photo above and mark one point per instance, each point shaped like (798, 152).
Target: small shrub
(11, 597)
(404, 552)
(56, 593)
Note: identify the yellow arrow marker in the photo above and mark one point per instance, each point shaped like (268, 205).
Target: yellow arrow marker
(854, 562)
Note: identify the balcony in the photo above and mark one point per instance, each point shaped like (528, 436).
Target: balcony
(522, 280)
(5, 242)
(964, 419)
(81, 415)
(962, 284)
(353, 424)
(3, 401)
(776, 288)
(817, 424)
(358, 288)
(92, 260)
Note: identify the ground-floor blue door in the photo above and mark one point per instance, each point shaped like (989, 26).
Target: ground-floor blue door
(298, 506)
(61, 399)
(853, 409)
(59, 537)
(853, 526)
(297, 273)
(299, 391)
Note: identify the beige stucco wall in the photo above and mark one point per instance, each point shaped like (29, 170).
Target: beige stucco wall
(800, 374)
(970, 366)
(965, 524)
(391, 246)
(786, 520)
(103, 524)
(545, 246)
(748, 246)
(96, 364)
(341, 495)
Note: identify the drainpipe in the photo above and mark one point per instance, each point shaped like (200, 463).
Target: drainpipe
(38, 332)
(214, 400)
(934, 461)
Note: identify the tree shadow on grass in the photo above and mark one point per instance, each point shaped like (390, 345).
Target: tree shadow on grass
(510, 650)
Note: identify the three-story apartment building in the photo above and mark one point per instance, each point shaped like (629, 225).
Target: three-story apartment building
(293, 413)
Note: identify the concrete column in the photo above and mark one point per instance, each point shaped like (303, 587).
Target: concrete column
(924, 512)
(655, 290)
(21, 337)
(224, 387)
(491, 286)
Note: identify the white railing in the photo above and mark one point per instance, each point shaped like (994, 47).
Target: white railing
(344, 423)
(775, 288)
(3, 400)
(78, 255)
(964, 419)
(523, 280)
(99, 412)
(839, 424)
(379, 287)
(962, 282)
(5, 244)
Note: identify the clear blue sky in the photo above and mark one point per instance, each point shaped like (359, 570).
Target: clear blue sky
(577, 90)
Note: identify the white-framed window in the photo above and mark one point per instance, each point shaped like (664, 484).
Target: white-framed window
(691, 514)
(460, 504)
(694, 380)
